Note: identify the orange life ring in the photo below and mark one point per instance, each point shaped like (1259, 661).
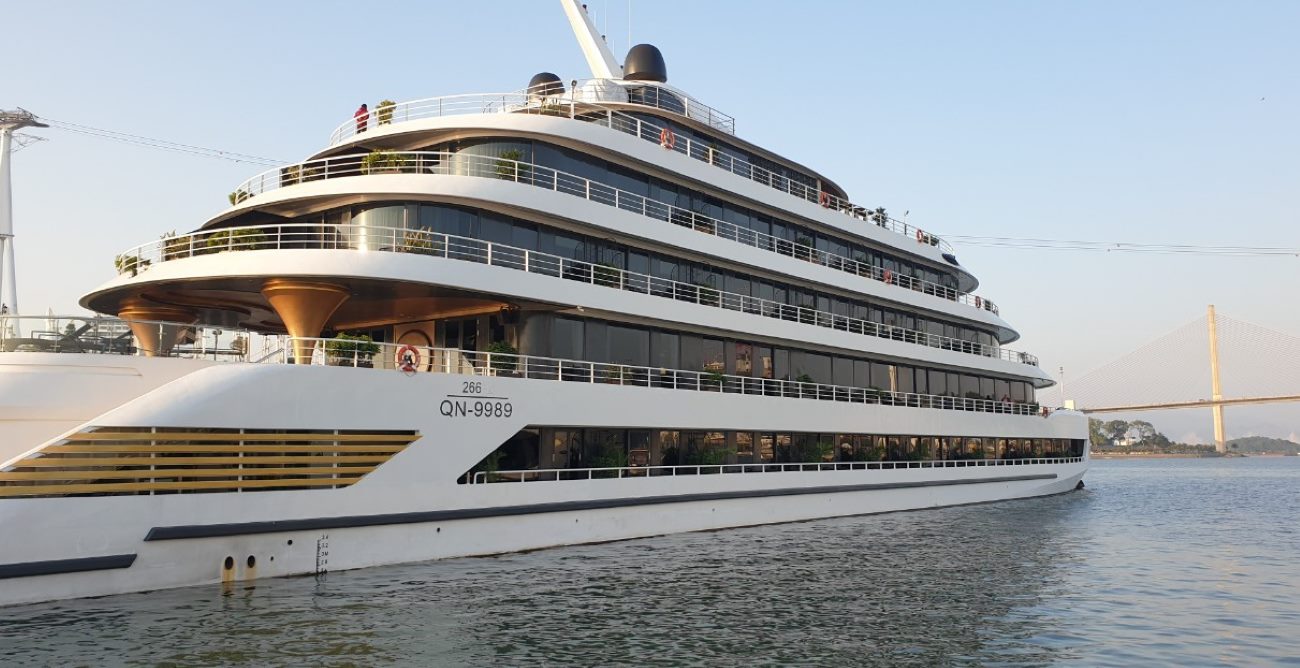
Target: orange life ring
(824, 199)
(667, 139)
(407, 359)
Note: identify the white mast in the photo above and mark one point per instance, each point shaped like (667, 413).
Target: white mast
(599, 58)
(9, 121)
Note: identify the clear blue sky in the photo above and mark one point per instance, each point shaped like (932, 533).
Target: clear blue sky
(1161, 122)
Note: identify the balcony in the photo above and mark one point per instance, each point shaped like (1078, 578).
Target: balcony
(306, 236)
(462, 164)
(590, 104)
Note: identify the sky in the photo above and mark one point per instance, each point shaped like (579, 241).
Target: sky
(1147, 122)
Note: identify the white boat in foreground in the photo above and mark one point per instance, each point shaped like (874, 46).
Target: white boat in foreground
(486, 323)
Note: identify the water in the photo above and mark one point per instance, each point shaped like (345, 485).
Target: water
(1158, 562)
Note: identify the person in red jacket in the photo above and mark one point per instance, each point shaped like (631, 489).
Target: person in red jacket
(363, 118)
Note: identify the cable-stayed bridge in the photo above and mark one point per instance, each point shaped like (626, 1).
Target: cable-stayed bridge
(1212, 362)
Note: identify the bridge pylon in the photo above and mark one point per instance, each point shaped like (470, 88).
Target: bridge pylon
(1216, 391)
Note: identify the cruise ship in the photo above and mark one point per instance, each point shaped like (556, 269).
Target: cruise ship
(476, 324)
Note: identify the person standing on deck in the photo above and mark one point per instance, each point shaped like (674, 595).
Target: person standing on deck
(363, 118)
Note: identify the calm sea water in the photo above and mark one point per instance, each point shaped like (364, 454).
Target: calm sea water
(1157, 562)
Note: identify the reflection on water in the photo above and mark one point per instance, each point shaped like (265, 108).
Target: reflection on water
(1157, 562)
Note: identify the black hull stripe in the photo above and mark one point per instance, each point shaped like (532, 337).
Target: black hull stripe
(57, 566)
(354, 521)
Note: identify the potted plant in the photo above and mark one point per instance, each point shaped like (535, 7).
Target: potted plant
(174, 248)
(419, 240)
(606, 274)
(712, 380)
(238, 239)
(385, 111)
(504, 362)
(132, 264)
(238, 196)
(509, 168)
(383, 162)
(348, 350)
(708, 296)
(488, 466)
(880, 217)
(291, 175)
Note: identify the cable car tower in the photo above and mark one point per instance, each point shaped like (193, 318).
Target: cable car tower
(9, 122)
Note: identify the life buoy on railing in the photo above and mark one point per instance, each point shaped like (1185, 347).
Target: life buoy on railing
(824, 199)
(667, 139)
(407, 359)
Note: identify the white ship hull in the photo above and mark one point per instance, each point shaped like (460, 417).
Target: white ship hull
(414, 507)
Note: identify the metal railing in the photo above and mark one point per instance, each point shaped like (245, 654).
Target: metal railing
(589, 92)
(115, 336)
(464, 164)
(550, 475)
(426, 242)
(339, 352)
(581, 106)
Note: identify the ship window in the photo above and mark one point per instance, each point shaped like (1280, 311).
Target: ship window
(628, 345)
(665, 350)
(670, 453)
(766, 447)
(861, 373)
(1018, 392)
(596, 342)
(764, 363)
(567, 338)
(692, 352)
(843, 371)
(938, 383)
(905, 376)
(744, 359)
(881, 375)
(745, 446)
(986, 388)
(566, 448)
(638, 447)
(714, 356)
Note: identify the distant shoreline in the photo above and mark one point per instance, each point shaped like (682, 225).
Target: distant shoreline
(1154, 455)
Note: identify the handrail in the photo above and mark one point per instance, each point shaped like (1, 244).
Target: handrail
(464, 164)
(341, 352)
(595, 473)
(587, 92)
(428, 242)
(576, 106)
(114, 336)
(667, 98)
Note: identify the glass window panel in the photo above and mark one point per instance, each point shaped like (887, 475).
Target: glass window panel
(567, 338)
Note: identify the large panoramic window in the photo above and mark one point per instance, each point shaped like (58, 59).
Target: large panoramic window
(525, 235)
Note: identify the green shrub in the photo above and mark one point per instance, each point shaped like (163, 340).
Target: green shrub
(385, 111)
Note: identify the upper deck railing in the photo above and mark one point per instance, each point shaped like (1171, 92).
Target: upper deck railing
(587, 92)
(113, 336)
(593, 108)
(463, 164)
(605, 472)
(333, 352)
(300, 236)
